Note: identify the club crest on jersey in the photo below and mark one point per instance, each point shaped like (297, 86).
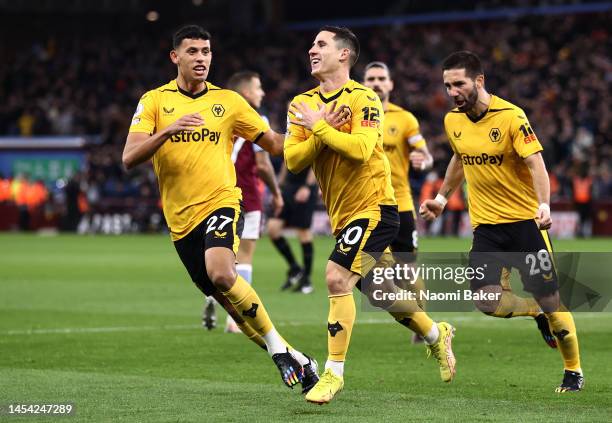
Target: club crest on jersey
(168, 111)
(392, 130)
(495, 135)
(218, 110)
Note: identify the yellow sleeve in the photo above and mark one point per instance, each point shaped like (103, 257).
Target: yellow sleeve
(448, 137)
(145, 115)
(413, 132)
(248, 123)
(524, 140)
(300, 149)
(366, 128)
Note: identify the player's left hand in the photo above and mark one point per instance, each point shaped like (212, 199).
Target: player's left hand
(277, 204)
(543, 217)
(305, 116)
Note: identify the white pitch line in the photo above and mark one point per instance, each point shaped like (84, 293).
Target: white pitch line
(96, 330)
(465, 318)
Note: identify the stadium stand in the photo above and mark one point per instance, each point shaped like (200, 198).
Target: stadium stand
(557, 67)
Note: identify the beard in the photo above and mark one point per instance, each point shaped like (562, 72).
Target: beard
(383, 97)
(470, 101)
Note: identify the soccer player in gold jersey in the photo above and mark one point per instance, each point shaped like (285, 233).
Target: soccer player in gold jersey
(187, 128)
(354, 177)
(404, 146)
(499, 155)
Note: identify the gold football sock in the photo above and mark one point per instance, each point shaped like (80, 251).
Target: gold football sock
(408, 313)
(511, 305)
(417, 288)
(563, 327)
(245, 300)
(251, 334)
(342, 313)
(419, 322)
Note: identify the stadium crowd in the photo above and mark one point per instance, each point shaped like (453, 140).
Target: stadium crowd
(558, 68)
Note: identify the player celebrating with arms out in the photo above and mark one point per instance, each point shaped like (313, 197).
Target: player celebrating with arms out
(508, 194)
(187, 128)
(354, 177)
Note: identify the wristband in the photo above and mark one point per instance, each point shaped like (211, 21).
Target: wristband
(544, 206)
(441, 199)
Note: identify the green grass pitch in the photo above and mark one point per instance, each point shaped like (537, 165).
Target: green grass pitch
(112, 325)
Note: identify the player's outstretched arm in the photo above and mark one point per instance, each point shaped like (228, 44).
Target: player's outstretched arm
(272, 142)
(430, 209)
(140, 146)
(541, 185)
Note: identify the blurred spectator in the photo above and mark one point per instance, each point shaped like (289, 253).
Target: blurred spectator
(5, 189)
(72, 216)
(582, 185)
(451, 218)
(558, 68)
(602, 186)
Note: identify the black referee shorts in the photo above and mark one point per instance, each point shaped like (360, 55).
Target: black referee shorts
(298, 215)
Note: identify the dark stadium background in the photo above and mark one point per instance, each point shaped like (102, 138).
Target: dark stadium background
(112, 324)
(77, 69)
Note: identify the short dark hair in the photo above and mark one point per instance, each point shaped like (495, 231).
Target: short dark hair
(379, 65)
(238, 79)
(347, 39)
(464, 60)
(192, 32)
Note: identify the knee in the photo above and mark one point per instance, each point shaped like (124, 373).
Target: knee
(483, 303)
(336, 282)
(304, 235)
(487, 307)
(549, 303)
(223, 279)
(275, 227)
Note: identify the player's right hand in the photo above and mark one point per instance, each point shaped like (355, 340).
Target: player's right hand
(337, 118)
(430, 209)
(543, 217)
(185, 123)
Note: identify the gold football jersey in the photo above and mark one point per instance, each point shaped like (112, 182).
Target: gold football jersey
(491, 150)
(194, 170)
(351, 189)
(401, 136)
